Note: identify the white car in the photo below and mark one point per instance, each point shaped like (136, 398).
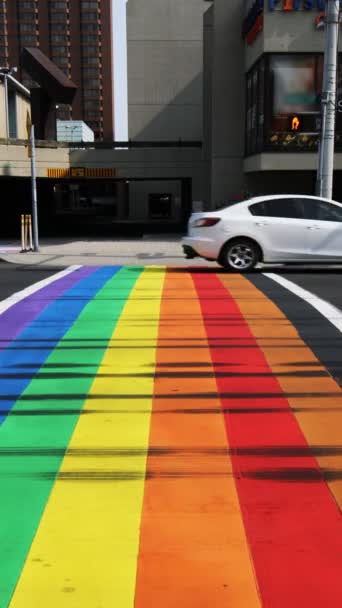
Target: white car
(278, 228)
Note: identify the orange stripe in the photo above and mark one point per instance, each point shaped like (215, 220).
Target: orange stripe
(320, 418)
(193, 548)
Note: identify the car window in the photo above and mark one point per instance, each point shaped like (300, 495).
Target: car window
(322, 211)
(280, 207)
(257, 209)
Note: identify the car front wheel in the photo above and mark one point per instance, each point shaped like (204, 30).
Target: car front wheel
(240, 255)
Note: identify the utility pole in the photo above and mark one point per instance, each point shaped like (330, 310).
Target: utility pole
(34, 191)
(327, 141)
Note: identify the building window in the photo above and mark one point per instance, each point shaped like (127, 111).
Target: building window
(27, 27)
(90, 50)
(293, 95)
(92, 83)
(85, 4)
(283, 111)
(60, 60)
(12, 113)
(57, 17)
(26, 4)
(59, 38)
(58, 27)
(28, 17)
(28, 39)
(91, 103)
(89, 27)
(60, 5)
(90, 16)
(91, 60)
(90, 38)
(92, 115)
(60, 50)
(91, 93)
(90, 72)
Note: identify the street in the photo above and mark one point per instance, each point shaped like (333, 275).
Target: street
(170, 436)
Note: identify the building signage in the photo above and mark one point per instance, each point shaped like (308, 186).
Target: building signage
(254, 21)
(297, 5)
(81, 172)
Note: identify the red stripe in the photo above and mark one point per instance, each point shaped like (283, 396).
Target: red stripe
(292, 522)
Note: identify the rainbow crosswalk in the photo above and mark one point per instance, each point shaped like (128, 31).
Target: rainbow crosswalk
(168, 439)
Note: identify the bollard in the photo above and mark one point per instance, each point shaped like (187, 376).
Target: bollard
(29, 217)
(26, 232)
(23, 244)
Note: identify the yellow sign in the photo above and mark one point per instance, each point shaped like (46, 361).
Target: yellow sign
(77, 172)
(74, 172)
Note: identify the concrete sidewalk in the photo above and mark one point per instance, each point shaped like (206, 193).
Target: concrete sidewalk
(147, 250)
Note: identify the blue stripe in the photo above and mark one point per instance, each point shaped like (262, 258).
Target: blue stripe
(23, 358)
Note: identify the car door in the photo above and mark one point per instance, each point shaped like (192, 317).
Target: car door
(281, 229)
(325, 230)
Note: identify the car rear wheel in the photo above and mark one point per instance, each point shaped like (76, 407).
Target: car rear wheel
(240, 255)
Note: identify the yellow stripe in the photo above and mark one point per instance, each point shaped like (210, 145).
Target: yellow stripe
(85, 551)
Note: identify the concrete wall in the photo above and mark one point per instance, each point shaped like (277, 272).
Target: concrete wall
(208, 50)
(165, 41)
(227, 98)
(163, 169)
(23, 109)
(22, 106)
(147, 163)
(15, 162)
(287, 32)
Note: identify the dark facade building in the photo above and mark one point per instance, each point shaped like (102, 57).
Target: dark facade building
(76, 35)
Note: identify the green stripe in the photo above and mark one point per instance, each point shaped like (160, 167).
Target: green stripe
(35, 436)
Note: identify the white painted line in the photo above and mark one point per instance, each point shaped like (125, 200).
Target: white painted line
(28, 291)
(330, 312)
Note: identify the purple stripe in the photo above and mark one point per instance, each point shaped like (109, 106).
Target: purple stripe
(16, 318)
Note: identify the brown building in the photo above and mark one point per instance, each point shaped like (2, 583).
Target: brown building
(76, 35)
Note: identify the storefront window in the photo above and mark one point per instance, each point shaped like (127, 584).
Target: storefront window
(255, 108)
(288, 109)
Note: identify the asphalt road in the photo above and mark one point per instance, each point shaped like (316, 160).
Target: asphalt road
(14, 277)
(170, 436)
(326, 283)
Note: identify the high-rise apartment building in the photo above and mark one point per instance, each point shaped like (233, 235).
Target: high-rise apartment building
(77, 36)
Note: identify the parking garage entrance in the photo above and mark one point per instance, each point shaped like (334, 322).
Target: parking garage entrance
(100, 206)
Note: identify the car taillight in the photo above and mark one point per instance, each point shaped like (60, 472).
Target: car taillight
(205, 222)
